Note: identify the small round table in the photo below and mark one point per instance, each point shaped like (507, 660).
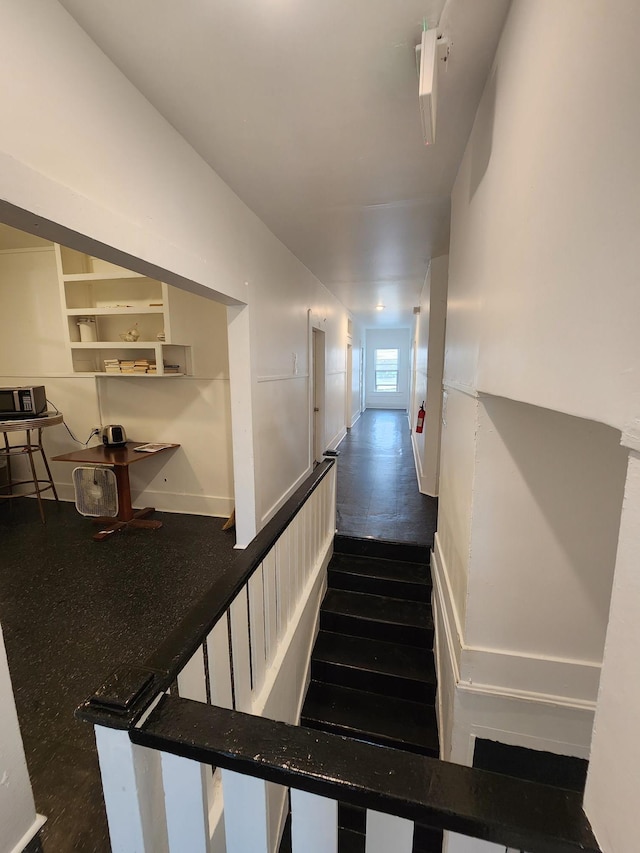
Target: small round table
(32, 445)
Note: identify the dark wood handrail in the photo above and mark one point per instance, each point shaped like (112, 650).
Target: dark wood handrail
(507, 811)
(126, 694)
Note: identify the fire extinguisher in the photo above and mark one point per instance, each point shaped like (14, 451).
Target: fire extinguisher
(421, 414)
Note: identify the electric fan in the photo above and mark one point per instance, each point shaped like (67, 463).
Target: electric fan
(96, 492)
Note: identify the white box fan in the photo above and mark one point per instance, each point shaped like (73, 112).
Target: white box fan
(96, 491)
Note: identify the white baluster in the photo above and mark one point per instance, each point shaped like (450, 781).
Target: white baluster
(302, 575)
(387, 832)
(245, 813)
(294, 587)
(314, 823)
(191, 679)
(316, 527)
(240, 651)
(282, 577)
(220, 664)
(257, 619)
(133, 793)
(309, 537)
(270, 597)
(186, 803)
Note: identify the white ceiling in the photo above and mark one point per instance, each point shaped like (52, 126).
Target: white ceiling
(309, 111)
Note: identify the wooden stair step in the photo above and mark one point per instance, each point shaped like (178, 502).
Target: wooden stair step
(392, 578)
(375, 666)
(405, 551)
(387, 721)
(379, 617)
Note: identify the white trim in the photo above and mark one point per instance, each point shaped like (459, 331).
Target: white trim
(119, 376)
(24, 251)
(354, 420)
(449, 611)
(503, 672)
(337, 438)
(418, 466)
(187, 504)
(30, 834)
(516, 738)
(459, 386)
(335, 372)
(527, 696)
(281, 377)
(417, 461)
(273, 509)
(630, 437)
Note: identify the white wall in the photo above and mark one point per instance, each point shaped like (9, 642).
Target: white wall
(611, 798)
(357, 373)
(429, 338)
(543, 272)
(541, 310)
(383, 339)
(525, 550)
(17, 810)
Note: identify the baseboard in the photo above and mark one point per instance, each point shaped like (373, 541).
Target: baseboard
(30, 834)
(510, 674)
(337, 438)
(355, 419)
(417, 461)
(186, 504)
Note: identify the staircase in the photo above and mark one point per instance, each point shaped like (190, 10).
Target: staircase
(372, 667)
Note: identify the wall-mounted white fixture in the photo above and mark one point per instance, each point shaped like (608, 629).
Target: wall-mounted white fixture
(379, 307)
(429, 54)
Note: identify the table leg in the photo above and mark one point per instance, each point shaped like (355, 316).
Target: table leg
(35, 476)
(7, 448)
(127, 516)
(125, 510)
(46, 464)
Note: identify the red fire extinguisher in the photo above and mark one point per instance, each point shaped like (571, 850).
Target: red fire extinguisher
(421, 414)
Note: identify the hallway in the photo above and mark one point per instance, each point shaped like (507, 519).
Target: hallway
(378, 496)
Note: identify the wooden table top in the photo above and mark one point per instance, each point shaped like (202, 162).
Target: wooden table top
(46, 419)
(118, 456)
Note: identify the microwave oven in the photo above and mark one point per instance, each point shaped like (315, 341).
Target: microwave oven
(22, 402)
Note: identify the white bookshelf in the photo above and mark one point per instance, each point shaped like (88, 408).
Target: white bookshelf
(117, 300)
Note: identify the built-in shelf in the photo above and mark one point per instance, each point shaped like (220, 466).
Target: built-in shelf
(111, 312)
(115, 303)
(133, 375)
(112, 275)
(120, 345)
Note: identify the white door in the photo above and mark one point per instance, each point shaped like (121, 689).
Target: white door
(317, 374)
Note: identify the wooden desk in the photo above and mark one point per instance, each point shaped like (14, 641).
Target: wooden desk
(31, 446)
(119, 458)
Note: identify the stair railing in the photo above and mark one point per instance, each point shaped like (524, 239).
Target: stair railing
(397, 788)
(190, 762)
(245, 645)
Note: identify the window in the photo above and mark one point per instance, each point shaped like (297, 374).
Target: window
(386, 369)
